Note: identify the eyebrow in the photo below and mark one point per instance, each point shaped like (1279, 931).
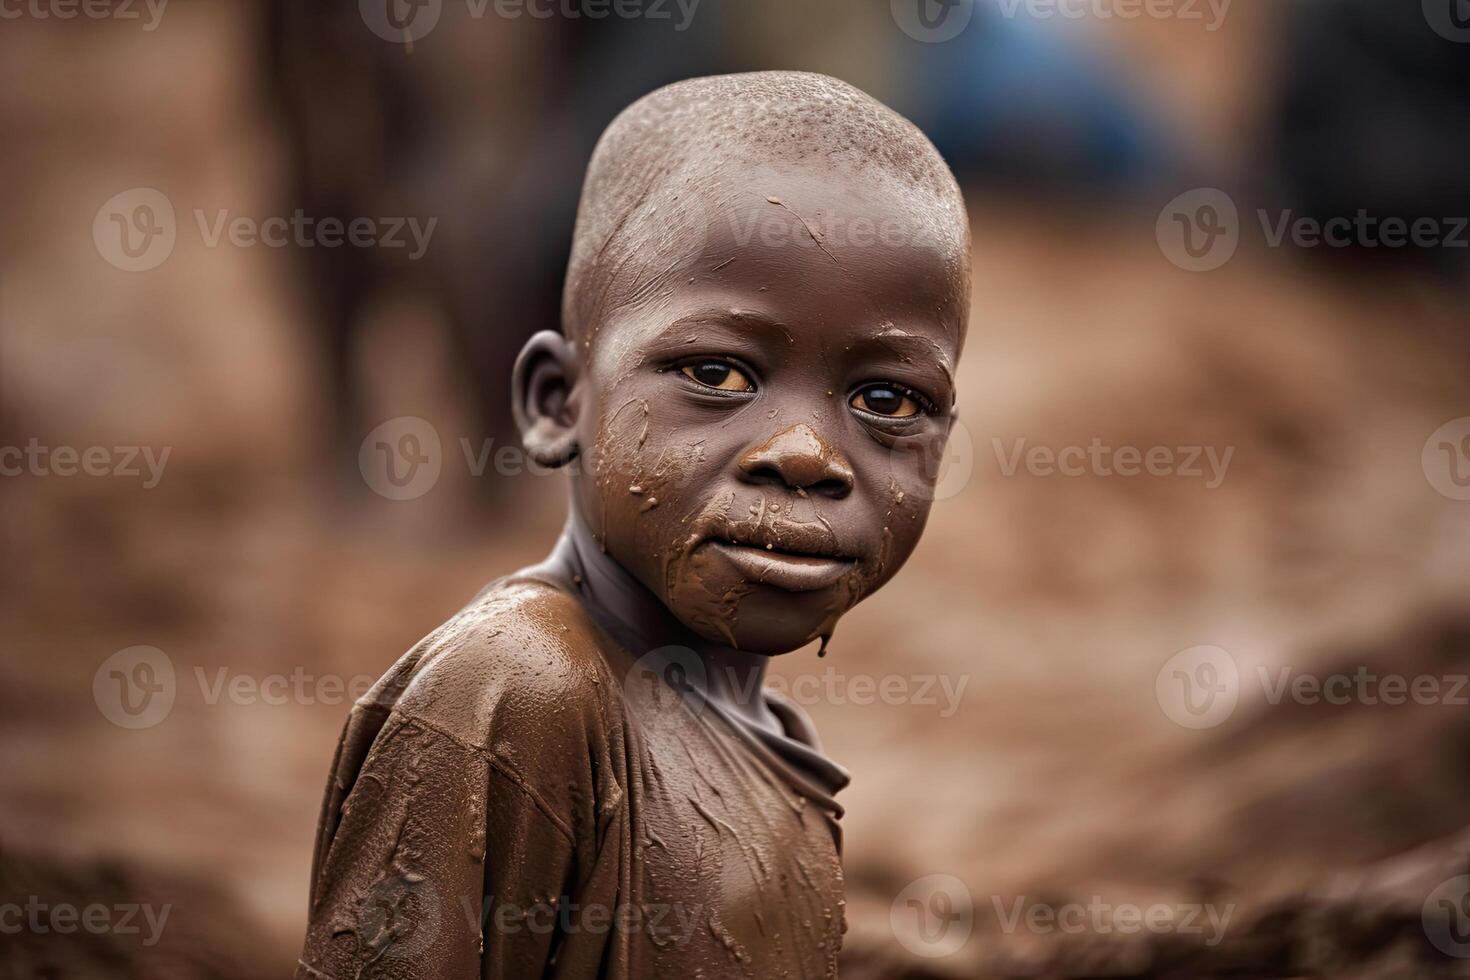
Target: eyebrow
(732, 317)
(908, 348)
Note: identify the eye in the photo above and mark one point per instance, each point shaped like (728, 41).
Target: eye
(717, 374)
(888, 400)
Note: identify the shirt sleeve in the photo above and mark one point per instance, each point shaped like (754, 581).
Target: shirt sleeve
(432, 861)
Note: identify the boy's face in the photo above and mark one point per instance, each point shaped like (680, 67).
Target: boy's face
(766, 415)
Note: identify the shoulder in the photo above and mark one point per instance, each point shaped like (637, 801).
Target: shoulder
(520, 666)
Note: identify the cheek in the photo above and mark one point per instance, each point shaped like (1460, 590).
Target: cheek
(898, 477)
(915, 464)
(641, 471)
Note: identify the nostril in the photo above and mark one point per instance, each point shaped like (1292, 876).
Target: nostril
(800, 459)
(763, 474)
(834, 488)
(818, 485)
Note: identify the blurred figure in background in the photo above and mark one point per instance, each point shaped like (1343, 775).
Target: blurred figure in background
(485, 122)
(1372, 116)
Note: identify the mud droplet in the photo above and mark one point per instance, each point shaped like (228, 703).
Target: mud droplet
(826, 639)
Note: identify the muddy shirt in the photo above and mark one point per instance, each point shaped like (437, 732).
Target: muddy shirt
(517, 798)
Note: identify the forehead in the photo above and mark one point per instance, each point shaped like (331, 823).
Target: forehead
(827, 255)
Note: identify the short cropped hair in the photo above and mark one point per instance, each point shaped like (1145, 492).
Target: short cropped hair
(673, 145)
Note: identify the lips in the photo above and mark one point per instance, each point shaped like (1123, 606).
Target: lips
(794, 557)
(794, 573)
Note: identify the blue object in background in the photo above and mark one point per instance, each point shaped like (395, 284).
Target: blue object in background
(1012, 100)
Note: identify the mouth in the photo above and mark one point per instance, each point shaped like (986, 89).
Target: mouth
(781, 567)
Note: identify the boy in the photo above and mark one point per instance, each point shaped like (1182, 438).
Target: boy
(580, 775)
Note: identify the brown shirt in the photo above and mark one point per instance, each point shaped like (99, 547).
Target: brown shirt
(514, 798)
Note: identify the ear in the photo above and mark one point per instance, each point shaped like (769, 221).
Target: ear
(545, 410)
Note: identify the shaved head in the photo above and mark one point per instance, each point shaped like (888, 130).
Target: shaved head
(667, 161)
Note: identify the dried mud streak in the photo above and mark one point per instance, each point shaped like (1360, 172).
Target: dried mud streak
(815, 237)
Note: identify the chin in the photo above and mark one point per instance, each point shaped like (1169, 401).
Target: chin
(767, 621)
(767, 595)
(766, 639)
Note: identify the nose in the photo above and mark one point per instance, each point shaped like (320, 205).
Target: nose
(800, 459)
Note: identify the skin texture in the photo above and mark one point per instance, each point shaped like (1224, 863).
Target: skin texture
(751, 402)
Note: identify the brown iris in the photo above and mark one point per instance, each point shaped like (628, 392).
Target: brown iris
(719, 375)
(886, 400)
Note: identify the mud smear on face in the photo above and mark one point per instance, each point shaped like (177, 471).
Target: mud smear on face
(706, 592)
(629, 479)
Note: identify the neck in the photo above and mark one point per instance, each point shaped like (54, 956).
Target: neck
(641, 622)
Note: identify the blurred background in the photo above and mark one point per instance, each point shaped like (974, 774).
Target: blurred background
(205, 558)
